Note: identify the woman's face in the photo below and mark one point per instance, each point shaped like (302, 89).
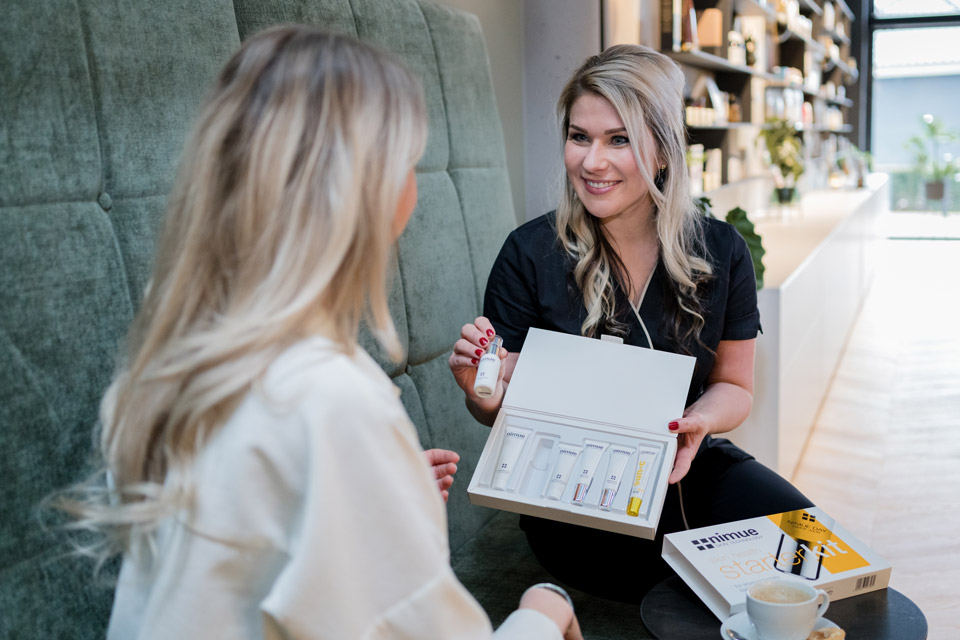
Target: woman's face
(406, 205)
(600, 163)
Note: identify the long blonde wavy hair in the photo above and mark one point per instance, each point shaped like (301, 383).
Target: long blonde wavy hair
(279, 227)
(646, 89)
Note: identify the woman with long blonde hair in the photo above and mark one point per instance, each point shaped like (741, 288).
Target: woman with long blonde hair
(628, 253)
(266, 481)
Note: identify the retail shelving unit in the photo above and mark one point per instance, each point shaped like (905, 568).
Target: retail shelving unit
(801, 69)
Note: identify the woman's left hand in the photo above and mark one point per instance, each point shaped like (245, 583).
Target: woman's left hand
(691, 430)
(444, 465)
(724, 405)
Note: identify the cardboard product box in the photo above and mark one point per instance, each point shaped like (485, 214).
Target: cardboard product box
(582, 436)
(720, 563)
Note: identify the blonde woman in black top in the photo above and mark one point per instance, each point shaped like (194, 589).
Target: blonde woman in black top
(627, 253)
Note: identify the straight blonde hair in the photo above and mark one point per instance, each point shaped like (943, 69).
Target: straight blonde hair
(279, 227)
(646, 90)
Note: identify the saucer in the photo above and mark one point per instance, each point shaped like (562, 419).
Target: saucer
(742, 625)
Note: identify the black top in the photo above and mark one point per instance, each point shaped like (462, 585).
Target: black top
(531, 285)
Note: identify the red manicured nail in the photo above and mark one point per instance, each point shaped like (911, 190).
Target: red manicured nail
(490, 332)
(674, 425)
(474, 360)
(483, 342)
(479, 352)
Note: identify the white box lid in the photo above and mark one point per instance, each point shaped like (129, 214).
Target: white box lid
(566, 375)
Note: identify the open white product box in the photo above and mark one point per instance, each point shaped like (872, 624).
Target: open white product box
(578, 418)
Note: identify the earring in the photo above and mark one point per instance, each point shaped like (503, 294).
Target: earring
(661, 178)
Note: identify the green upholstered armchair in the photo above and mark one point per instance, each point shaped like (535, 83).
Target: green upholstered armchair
(95, 99)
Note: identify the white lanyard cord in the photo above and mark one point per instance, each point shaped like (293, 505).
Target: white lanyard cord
(636, 312)
(636, 309)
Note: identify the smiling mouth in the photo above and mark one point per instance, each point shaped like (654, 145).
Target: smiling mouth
(599, 187)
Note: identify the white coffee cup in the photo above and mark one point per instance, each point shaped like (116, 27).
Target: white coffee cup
(785, 609)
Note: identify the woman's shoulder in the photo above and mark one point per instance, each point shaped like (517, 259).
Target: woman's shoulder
(316, 401)
(717, 231)
(721, 238)
(533, 243)
(319, 373)
(314, 359)
(541, 229)
(314, 397)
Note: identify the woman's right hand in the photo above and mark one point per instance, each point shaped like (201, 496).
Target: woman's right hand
(474, 338)
(555, 607)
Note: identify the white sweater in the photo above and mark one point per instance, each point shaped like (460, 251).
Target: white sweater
(316, 516)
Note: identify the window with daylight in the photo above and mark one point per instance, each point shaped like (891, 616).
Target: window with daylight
(915, 87)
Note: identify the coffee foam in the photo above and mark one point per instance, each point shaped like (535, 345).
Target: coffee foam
(779, 593)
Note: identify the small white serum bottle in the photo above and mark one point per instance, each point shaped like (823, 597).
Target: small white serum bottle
(488, 369)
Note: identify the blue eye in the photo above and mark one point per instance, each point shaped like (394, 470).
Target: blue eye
(576, 136)
(620, 141)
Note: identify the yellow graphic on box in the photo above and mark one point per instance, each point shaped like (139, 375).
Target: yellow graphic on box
(818, 540)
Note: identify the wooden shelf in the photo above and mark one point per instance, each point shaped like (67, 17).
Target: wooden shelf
(798, 48)
(843, 7)
(846, 102)
(798, 87)
(809, 6)
(713, 136)
(830, 63)
(816, 128)
(837, 37)
(719, 127)
(702, 60)
(754, 8)
(788, 34)
(819, 128)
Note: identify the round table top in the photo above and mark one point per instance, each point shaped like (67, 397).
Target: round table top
(672, 610)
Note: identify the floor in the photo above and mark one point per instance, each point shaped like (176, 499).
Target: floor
(884, 456)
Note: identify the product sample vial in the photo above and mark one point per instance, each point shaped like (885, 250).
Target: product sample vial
(580, 492)
(488, 369)
(568, 455)
(555, 490)
(606, 499)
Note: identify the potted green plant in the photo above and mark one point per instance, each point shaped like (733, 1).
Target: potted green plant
(785, 149)
(738, 218)
(851, 163)
(933, 167)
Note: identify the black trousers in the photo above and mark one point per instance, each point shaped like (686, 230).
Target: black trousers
(724, 484)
